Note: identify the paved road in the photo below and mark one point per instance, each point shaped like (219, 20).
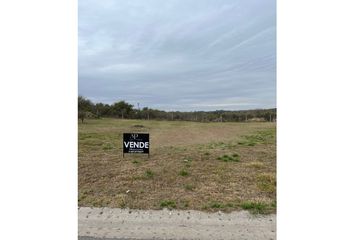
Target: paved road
(125, 224)
(92, 238)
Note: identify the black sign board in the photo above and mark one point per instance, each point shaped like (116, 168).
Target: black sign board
(136, 143)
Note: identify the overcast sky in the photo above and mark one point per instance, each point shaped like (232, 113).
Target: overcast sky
(181, 55)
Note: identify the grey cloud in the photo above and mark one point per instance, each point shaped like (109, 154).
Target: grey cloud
(215, 54)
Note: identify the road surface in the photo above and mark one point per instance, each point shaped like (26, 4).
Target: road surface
(125, 224)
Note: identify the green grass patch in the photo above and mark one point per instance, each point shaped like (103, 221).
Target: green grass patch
(135, 161)
(256, 207)
(221, 145)
(183, 173)
(247, 143)
(217, 205)
(168, 204)
(149, 174)
(262, 137)
(233, 158)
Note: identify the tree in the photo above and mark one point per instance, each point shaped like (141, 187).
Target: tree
(85, 106)
(99, 109)
(122, 108)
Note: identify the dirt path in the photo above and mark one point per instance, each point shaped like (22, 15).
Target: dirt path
(175, 224)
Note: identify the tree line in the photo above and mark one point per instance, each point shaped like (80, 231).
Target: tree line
(124, 110)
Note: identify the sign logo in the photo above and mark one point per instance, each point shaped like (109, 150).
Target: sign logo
(134, 135)
(136, 143)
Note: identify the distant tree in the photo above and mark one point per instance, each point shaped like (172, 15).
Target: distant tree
(122, 108)
(99, 109)
(82, 116)
(85, 106)
(146, 112)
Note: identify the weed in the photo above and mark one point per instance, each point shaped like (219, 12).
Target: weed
(216, 205)
(226, 158)
(247, 143)
(168, 204)
(136, 161)
(254, 207)
(183, 173)
(219, 205)
(149, 173)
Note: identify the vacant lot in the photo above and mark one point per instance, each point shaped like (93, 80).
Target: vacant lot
(201, 166)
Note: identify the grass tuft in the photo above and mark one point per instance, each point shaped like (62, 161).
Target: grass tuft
(216, 205)
(149, 173)
(226, 158)
(255, 207)
(183, 173)
(168, 204)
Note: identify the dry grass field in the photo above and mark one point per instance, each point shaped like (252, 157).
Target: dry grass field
(201, 166)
